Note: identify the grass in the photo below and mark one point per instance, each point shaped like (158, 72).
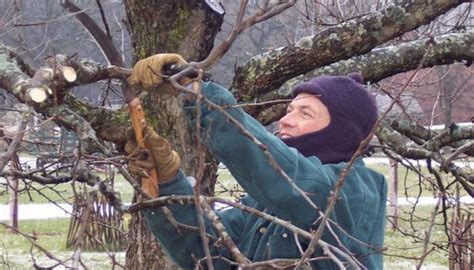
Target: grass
(52, 233)
(410, 184)
(49, 233)
(400, 246)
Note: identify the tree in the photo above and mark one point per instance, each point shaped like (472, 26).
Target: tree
(377, 41)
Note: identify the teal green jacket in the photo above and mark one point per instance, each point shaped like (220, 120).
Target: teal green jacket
(359, 212)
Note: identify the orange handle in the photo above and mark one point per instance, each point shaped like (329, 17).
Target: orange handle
(149, 184)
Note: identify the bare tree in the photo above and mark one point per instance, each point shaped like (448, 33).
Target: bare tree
(61, 84)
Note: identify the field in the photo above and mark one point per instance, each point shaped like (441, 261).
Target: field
(51, 233)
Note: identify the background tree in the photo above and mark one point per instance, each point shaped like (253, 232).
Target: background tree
(377, 39)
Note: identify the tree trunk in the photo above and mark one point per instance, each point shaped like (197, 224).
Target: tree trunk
(165, 27)
(143, 252)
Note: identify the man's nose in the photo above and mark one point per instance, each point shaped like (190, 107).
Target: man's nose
(286, 120)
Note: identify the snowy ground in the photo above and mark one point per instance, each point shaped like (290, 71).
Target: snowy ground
(44, 211)
(384, 160)
(30, 162)
(37, 211)
(49, 210)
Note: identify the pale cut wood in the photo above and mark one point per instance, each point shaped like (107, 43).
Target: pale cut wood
(37, 94)
(69, 74)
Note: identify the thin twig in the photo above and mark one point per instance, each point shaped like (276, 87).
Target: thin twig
(199, 174)
(223, 235)
(240, 25)
(34, 243)
(181, 200)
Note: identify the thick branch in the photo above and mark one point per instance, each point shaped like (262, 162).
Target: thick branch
(454, 136)
(89, 71)
(404, 147)
(73, 114)
(105, 122)
(354, 37)
(401, 145)
(20, 85)
(377, 65)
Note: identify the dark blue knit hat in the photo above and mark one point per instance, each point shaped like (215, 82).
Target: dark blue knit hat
(353, 112)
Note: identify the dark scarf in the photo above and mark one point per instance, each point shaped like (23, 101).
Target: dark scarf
(330, 145)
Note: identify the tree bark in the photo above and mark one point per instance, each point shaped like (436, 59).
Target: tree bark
(354, 37)
(143, 251)
(189, 29)
(376, 65)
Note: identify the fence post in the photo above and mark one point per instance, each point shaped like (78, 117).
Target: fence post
(13, 185)
(393, 188)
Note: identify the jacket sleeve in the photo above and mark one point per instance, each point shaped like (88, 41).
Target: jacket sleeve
(250, 166)
(182, 245)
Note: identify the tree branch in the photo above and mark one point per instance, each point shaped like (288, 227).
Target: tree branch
(354, 37)
(103, 40)
(182, 200)
(375, 66)
(239, 26)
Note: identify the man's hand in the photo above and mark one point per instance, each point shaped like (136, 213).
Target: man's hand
(148, 72)
(159, 156)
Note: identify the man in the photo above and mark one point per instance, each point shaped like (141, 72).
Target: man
(324, 125)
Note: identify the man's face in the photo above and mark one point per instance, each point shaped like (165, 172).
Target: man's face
(305, 114)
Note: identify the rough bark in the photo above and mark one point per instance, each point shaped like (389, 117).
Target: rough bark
(377, 65)
(190, 29)
(190, 32)
(143, 252)
(353, 37)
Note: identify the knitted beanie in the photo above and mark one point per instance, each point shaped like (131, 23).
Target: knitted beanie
(353, 112)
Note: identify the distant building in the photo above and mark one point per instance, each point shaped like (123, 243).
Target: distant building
(437, 96)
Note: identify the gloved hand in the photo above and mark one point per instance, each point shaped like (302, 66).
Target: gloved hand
(148, 72)
(159, 155)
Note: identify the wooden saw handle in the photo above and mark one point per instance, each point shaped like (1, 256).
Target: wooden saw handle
(149, 184)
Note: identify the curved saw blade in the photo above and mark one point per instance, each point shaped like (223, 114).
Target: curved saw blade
(216, 6)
